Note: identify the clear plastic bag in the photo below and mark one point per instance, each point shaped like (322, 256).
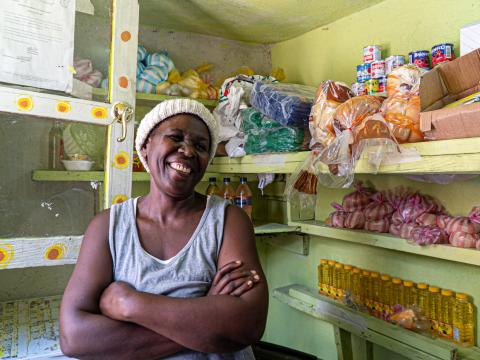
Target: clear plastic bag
(330, 94)
(264, 135)
(401, 109)
(289, 104)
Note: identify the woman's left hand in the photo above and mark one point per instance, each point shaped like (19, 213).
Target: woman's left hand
(115, 301)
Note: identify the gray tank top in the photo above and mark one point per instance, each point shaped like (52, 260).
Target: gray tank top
(187, 274)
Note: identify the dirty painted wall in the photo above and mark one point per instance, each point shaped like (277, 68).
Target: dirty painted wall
(332, 52)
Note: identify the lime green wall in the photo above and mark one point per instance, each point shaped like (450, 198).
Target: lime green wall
(399, 26)
(332, 52)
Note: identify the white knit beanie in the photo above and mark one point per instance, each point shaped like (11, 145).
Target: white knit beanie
(169, 108)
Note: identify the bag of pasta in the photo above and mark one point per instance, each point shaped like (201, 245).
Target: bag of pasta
(401, 109)
(330, 94)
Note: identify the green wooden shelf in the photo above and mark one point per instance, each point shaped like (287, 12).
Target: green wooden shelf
(151, 100)
(408, 343)
(274, 228)
(388, 241)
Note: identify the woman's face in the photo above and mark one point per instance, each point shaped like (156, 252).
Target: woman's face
(177, 153)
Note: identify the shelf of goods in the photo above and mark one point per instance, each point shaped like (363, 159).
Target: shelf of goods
(64, 250)
(388, 241)
(143, 99)
(358, 329)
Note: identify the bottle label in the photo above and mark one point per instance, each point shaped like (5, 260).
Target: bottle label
(445, 330)
(456, 334)
(434, 325)
(243, 201)
(324, 289)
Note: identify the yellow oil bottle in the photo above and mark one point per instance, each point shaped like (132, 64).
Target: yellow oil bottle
(356, 287)
(323, 276)
(463, 321)
(397, 291)
(375, 294)
(338, 280)
(331, 267)
(447, 303)
(422, 298)
(347, 278)
(407, 293)
(365, 288)
(434, 299)
(386, 296)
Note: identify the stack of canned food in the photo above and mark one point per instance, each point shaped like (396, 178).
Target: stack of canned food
(372, 74)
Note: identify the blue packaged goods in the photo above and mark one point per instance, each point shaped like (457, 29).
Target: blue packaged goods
(442, 53)
(419, 58)
(289, 104)
(367, 71)
(360, 73)
(264, 135)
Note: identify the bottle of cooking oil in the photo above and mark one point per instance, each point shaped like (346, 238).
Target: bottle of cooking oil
(422, 298)
(375, 293)
(323, 276)
(407, 293)
(347, 280)
(212, 188)
(434, 299)
(356, 288)
(397, 292)
(386, 296)
(338, 280)
(365, 288)
(463, 321)
(447, 302)
(331, 267)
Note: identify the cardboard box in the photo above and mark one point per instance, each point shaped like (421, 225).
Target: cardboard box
(443, 85)
(469, 38)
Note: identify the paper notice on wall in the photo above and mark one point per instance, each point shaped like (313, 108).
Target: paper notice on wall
(36, 43)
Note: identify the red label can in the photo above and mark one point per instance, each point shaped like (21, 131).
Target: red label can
(420, 58)
(442, 53)
(378, 69)
(372, 53)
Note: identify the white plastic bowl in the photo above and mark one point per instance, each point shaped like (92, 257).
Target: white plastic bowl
(77, 165)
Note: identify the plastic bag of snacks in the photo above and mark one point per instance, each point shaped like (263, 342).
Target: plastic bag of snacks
(330, 94)
(380, 225)
(289, 104)
(428, 235)
(380, 208)
(401, 109)
(357, 200)
(264, 135)
(301, 186)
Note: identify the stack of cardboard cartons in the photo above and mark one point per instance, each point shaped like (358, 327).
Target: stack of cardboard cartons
(443, 85)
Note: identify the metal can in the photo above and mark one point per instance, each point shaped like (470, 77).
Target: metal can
(360, 73)
(392, 62)
(367, 71)
(372, 53)
(419, 58)
(382, 86)
(442, 53)
(371, 87)
(378, 69)
(358, 88)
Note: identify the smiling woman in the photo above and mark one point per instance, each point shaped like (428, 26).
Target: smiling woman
(173, 274)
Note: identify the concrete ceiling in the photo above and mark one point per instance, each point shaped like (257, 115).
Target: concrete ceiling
(259, 21)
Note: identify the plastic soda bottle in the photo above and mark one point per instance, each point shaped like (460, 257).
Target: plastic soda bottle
(386, 297)
(447, 303)
(434, 299)
(463, 321)
(422, 298)
(323, 276)
(330, 289)
(375, 294)
(243, 197)
(397, 292)
(338, 280)
(227, 191)
(212, 188)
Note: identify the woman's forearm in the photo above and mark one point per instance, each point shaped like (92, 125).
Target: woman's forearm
(94, 336)
(220, 323)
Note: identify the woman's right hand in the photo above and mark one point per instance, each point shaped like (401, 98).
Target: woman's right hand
(230, 280)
